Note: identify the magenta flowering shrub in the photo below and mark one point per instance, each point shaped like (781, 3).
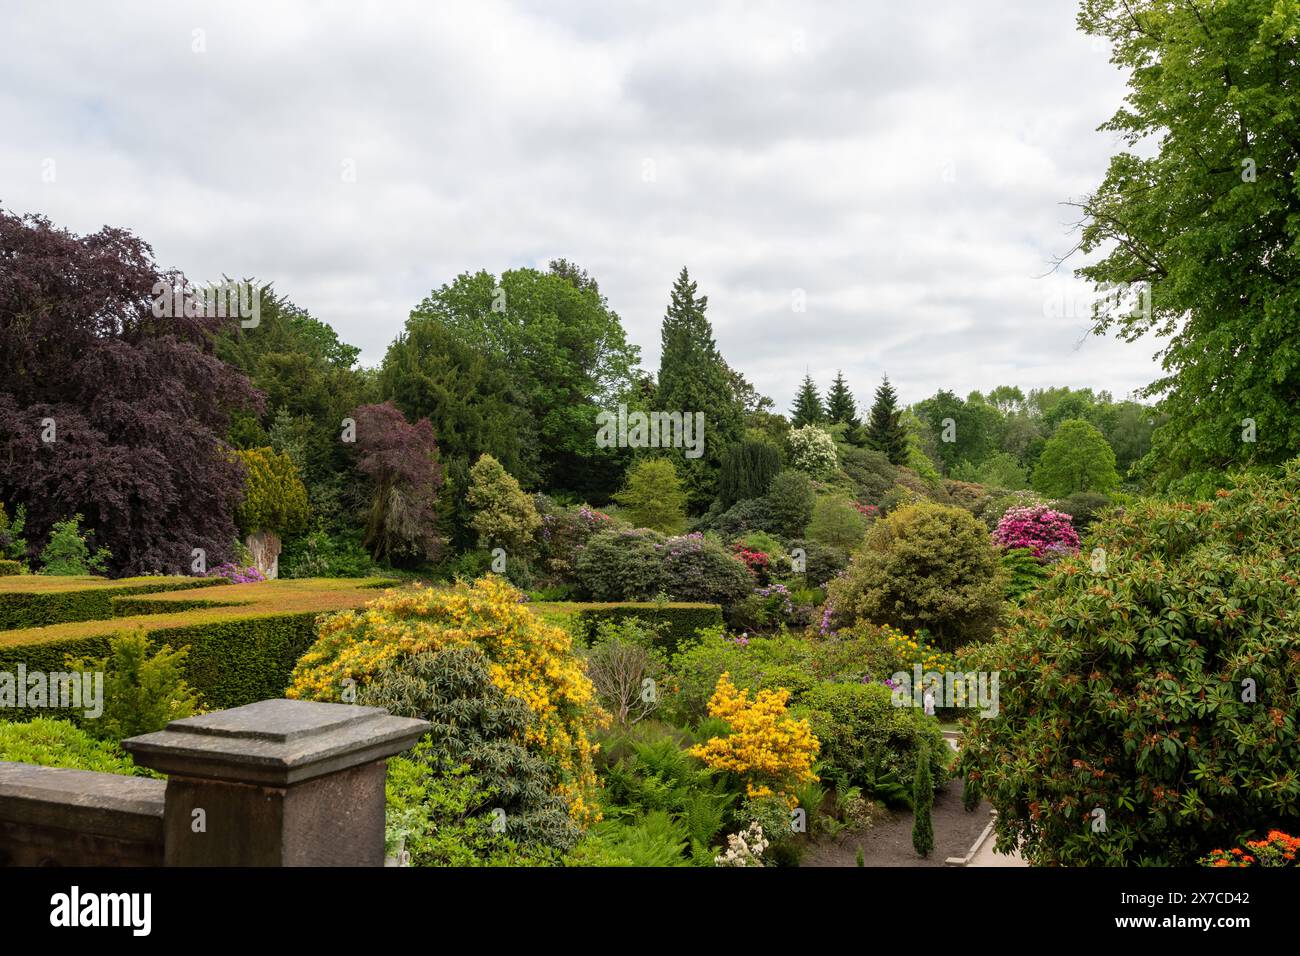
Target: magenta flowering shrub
(1049, 534)
(235, 574)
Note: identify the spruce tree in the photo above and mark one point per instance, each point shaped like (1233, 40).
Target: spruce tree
(922, 803)
(842, 409)
(694, 378)
(885, 431)
(808, 409)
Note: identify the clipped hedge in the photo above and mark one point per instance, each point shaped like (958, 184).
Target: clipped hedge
(9, 568)
(36, 601)
(679, 621)
(244, 640)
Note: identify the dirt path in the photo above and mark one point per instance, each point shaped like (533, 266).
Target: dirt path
(889, 842)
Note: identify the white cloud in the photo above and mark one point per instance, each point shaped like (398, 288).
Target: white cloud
(903, 166)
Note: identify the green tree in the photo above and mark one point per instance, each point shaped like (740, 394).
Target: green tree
(275, 498)
(503, 515)
(565, 351)
(791, 501)
(885, 431)
(311, 383)
(842, 409)
(748, 468)
(925, 566)
(1075, 458)
(694, 378)
(653, 496)
(808, 408)
(66, 552)
(436, 372)
(922, 805)
(1202, 206)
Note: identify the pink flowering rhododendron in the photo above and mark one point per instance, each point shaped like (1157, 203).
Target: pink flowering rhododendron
(1048, 534)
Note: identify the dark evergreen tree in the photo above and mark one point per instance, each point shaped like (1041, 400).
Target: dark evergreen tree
(748, 468)
(808, 408)
(922, 804)
(885, 431)
(694, 378)
(842, 409)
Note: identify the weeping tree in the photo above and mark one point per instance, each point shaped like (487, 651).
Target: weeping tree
(401, 461)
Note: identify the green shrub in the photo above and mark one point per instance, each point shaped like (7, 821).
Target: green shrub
(675, 625)
(790, 501)
(653, 496)
(870, 472)
(476, 725)
(8, 568)
(760, 663)
(66, 552)
(275, 499)
(322, 555)
(837, 524)
(503, 515)
(925, 566)
(1022, 571)
(13, 547)
(868, 742)
(699, 569)
(47, 742)
(753, 514)
(1162, 692)
(622, 565)
(143, 691)
(1083, 508)
(439, 820)
(821, 563)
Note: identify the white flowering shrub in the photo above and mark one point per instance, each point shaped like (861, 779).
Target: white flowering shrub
(744, 848)
(812, 450)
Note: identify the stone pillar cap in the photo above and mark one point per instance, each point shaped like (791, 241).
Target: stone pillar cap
(275, 742)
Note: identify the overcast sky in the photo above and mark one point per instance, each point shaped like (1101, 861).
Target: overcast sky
(903, 165)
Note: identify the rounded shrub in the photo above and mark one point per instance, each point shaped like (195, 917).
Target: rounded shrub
(869, 742)
(1048, 534)
(698, 569)
(812, 450)
(529, 659)
(790, 501)
(924, 566)
(1161, 691)
(625, 565)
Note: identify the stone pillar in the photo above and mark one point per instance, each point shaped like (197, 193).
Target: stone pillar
(276, 783)
(265, 546)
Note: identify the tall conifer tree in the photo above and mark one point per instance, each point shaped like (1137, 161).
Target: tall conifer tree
(885, 431)
(808, 408)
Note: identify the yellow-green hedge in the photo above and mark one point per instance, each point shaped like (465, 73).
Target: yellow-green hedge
(34, 600)
(244, 639)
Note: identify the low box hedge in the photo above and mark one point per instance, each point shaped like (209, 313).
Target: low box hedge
(9, 568)
(679, 621)
(34, 600)
(244, 639)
